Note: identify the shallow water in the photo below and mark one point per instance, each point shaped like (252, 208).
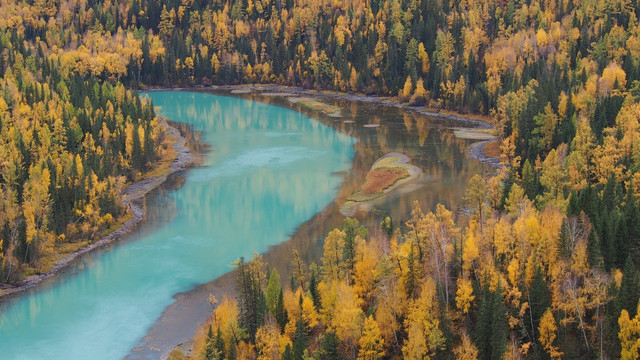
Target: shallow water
(270, 170)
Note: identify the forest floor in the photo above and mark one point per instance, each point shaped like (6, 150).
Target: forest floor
(386, 174)
(178, 157)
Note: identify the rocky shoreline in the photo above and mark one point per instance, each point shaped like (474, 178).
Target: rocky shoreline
(476, 151)
(132, 197)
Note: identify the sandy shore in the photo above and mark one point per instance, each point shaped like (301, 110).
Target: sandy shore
(132, 196)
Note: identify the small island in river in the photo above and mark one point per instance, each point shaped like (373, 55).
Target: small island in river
(386, 174)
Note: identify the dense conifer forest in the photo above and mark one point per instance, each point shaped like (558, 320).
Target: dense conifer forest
(548, 263)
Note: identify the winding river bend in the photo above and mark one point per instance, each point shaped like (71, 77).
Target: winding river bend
(270, 170)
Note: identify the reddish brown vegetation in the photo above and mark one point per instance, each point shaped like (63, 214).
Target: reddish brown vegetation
(381, 178)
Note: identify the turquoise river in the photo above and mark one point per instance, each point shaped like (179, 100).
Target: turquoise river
(269, 170)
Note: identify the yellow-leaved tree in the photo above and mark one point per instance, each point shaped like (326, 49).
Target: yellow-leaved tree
(464, 295)
(331, 261)
(424, 337)
(466, 350)
(547, 330)
(371, 341)
(629, 335)
(405, 93)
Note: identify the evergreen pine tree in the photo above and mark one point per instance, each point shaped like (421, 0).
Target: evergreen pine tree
(329, 347)
(482, 331)
(609, 239)
(209, 352)
(252, 304)
(288, 353)
(299, 340)
(220, 345)
(273, 288)
(280, 312)
(232, 349)
(313, 288)
(351, 230)
(529, 180)
(137, 159)
(410, 282)
(387, 226)
(573, 209)
(499, 326)
(629, 289)
(593, 250)
(630, 243)
(540, 296)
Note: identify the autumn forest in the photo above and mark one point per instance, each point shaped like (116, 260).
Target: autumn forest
(544, 263)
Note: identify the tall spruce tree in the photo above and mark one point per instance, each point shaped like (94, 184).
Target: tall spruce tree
(252, 305)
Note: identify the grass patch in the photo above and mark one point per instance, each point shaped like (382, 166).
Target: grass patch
(387, 162)
(474, 134)
(319, 106)
(483, 118)
(177, 355)
(61, 250)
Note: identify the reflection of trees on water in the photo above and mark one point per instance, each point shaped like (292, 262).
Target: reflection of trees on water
(193, 137)
(426, 140)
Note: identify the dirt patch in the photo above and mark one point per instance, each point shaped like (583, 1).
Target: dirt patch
(492, 149)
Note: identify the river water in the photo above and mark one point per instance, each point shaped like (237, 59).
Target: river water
(270, 170)
(268, 185)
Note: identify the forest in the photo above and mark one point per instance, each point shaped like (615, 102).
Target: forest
(547, 266)
(69, 143)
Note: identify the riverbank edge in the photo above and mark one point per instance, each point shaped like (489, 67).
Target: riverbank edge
(132, 197)
(482, 122)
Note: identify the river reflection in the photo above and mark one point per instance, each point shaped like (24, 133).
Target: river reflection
(426, 140)
(268, 170)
